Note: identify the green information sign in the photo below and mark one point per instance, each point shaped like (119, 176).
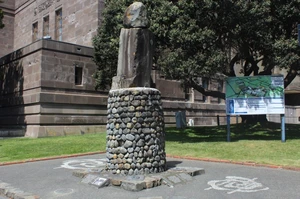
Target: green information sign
(255, 95)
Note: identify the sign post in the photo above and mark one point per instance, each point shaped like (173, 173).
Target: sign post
(255, 95)
(282, 127)
(228, 128)
(299, 34)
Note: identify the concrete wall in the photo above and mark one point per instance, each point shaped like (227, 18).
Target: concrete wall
(7, 33)
(19, 3)
(9, 4)
(170, 89)
(202, 114)
(292, 115)
(80, 20)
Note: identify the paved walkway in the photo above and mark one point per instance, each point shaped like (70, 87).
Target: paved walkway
(54, 179)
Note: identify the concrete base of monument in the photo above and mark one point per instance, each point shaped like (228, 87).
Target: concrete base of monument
(171, 177)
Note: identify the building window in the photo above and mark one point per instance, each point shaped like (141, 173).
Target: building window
(220, 89)
(205, 86)
(187, 93)
(46, 26)
(58, 25)
(35, 30)
(78, 75)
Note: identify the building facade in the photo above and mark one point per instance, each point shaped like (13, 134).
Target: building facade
(64, 20)
(46, 84)
(46, 68)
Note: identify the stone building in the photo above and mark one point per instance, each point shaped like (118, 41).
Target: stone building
(46, 68)
(63, 20)
(46, 85)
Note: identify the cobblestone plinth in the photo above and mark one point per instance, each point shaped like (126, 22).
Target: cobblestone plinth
(135, 132)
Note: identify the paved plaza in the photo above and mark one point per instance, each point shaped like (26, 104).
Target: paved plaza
(52, 179)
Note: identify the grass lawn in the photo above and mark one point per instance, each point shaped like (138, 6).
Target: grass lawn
(249, 143)
(13, 149)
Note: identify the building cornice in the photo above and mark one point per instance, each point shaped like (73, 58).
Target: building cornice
(8, 11)
(51, 45)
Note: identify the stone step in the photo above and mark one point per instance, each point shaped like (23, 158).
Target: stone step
(6, 190)
(171, 178)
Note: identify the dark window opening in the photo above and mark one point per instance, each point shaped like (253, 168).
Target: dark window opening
(78, 75)
(187, 94)
(46, 26)
(205, 86)
(58, 25)
(220, 89)
(34, 31)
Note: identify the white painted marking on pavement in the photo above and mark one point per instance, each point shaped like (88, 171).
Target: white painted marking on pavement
(234, 184)
(83, 164)
(63, 192)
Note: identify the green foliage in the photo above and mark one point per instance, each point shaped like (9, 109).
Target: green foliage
(202, 38)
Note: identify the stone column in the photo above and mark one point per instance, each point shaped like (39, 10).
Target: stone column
(135, 132)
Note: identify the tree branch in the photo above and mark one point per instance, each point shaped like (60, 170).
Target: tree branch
(232, 63)
(291, 74)
(247, 70)
(206, 92)
(268, 68)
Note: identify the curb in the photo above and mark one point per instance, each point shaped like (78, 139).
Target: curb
(14, 193)
(253, 164)
(51, 158)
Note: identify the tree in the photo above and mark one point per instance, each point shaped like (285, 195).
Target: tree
(204, 38)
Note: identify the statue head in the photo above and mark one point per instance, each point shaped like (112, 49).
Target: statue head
(136, 16)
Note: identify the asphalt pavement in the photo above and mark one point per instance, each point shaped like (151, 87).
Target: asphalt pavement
(53, 179)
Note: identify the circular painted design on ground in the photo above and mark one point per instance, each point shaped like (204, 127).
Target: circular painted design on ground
(234, 184)
(83, 164)
(62, 192)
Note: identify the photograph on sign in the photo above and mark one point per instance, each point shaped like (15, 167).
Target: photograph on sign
(255, 95)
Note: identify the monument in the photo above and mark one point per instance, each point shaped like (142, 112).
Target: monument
(135, 126)
(135, 146)
(135, 50)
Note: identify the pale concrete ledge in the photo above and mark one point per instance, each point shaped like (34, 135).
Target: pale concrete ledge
(37, 131)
